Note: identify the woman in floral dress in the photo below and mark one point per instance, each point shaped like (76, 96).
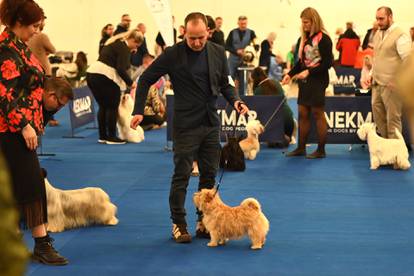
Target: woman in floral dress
(21, 120)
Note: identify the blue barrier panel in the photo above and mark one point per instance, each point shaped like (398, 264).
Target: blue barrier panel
(81, 109)
(261, 108)
(344, 115)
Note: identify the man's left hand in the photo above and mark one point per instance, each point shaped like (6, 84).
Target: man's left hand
(241, 107)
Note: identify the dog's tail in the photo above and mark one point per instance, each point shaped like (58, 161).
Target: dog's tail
(398, 134)
(251, 203)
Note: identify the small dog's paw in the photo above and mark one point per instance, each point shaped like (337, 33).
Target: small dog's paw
(223, 242)
(212, 244)
(113, 221)
(256, 247)
(54, 229)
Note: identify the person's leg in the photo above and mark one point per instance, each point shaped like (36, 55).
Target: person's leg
(185, 143)
(102, 125)
(321, 127)
(111, 102)
(304, 128)
(378, 110)
(208, 162)
(43, 251)
(209, 157)
(96, 84)
(393, 106)
(111, 118)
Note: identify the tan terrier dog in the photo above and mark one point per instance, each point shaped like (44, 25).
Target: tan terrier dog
(224, 222)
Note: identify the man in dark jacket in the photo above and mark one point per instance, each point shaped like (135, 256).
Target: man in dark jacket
(199, 73)
(124, 25)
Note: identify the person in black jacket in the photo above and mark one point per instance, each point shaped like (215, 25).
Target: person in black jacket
(199, 73)
(311, 71)
(107, 77)
(368, 41)
(142, 50)
(106, 34)
(218, 35)
(124, 25)
(266, 51)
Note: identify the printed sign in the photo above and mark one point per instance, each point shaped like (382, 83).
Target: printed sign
(344, 115)
(348, 80)
(261, 108)
(81, 109)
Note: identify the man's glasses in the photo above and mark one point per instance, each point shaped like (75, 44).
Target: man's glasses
(59, 103)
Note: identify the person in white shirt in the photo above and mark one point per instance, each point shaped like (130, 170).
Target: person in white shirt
(391, 47)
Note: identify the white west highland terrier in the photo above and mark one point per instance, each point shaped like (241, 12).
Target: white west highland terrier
(125, 109)
(251, 145)
(384, 151)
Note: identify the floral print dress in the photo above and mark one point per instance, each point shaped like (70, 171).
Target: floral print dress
(21, 86)
(21, 90)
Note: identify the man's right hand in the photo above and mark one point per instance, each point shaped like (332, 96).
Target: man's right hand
(30, 137)
(240, 52)
(368, 82)
(136, 120)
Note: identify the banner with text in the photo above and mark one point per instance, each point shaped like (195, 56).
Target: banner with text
(81, 109)
(344, 116)
(261, 108)
(161, 11)
(348, 80)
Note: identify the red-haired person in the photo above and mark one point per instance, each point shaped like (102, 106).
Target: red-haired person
(21, 120)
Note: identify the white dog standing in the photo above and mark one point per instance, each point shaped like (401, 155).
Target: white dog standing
(251, 145)
(125, 109)
(78, 208)
(384, 151)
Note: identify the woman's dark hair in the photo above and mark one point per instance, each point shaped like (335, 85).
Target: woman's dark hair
(211, 24)
(103, 32)
(258, 75)
(81, 61)
(26, 12)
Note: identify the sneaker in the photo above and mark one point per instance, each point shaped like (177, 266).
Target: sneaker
(180, 233)
(201, 231)
(115, 141)
(101, 141)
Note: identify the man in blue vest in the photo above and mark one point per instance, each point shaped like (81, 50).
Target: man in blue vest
(236, 42)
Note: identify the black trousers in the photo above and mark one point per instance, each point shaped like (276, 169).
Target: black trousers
(205, 141)
(108, 96)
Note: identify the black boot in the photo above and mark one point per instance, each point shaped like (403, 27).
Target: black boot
(45, 253)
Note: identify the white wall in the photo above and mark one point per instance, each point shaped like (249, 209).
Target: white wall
(76, 24)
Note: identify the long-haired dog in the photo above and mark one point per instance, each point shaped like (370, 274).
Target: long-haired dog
(78, 208)
(384, 151)
(125, 109)
(224, 222)
(250, 145)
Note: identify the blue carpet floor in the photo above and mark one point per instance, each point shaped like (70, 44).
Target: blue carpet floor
(327, 217)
